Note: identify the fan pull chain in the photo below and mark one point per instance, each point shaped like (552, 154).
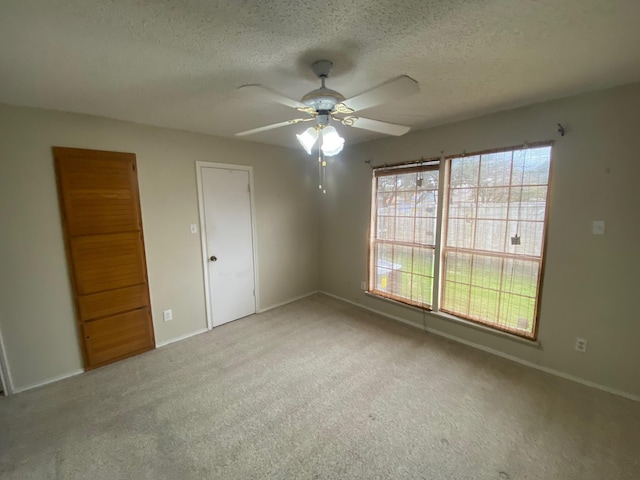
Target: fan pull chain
(322, 163)
(324, 176)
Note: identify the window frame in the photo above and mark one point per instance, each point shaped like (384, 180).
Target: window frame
(443, 165)
(402, 168)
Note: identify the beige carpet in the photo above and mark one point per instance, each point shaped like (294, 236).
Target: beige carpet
(318, 389)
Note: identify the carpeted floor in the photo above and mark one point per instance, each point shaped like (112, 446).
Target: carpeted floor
(318, 389)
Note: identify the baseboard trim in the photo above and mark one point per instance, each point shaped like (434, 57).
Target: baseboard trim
(183, 337)
(291, 300)
(78, 372)
(498, 353)
(57, 378)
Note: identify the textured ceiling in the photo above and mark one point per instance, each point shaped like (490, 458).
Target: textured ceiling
(177, 63)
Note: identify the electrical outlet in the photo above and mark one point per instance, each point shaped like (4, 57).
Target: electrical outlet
(167, 315)
(193, 228)
(581, 345)
(363, 285)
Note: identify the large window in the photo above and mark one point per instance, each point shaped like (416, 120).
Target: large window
(479, 254)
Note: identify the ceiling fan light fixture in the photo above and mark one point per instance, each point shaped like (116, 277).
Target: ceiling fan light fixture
(308, 139)
(332, 142)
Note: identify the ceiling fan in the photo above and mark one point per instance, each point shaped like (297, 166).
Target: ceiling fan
(324, 105)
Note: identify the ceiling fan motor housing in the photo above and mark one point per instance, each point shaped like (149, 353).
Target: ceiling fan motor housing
(323, 98)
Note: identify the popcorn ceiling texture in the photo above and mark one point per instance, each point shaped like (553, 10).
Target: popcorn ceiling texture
(177, 63)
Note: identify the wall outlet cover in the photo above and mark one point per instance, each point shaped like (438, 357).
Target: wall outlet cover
(598, 227)
(167, 315)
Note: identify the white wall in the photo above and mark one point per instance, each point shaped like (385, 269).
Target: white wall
(36, 311)
(590, 282)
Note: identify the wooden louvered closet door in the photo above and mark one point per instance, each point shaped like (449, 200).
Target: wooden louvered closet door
(102, 226)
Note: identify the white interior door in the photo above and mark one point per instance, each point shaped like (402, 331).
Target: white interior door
(228, 228)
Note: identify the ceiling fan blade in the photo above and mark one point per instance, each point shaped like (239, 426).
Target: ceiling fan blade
(395, 89)
(376, 126)
(272, 95)
(272, 126)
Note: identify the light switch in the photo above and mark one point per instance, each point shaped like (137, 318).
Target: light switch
(194, 228)
(598, 227)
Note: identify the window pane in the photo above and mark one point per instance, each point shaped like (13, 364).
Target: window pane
(386, 203)
(462, 202)
(483, 304)
(383, 267)
(400, 275)
(386, 228)
(516, 312)
(486, 271)
(531, 238)
(531, 167)
(490, 235)
(492, 202)
(456, 298)
(460, 233)
(426, 203)
(495, 169)
(404, 229)
(528, 209)
(464, 172)
(406, 182)
(457, 267)
(384, 255)
(429, 180)
(405, 204)
(425, 231)
(387, 183)
(521, 277)
(422, 289)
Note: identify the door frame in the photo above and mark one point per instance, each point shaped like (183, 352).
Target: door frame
(203, 233)
(5, 374)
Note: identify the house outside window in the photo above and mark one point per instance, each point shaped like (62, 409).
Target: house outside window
(464, 235)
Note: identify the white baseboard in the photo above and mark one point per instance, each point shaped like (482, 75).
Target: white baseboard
(57, 378)
(498, 353)
(177, 339)
(77, 372)
(291, 300)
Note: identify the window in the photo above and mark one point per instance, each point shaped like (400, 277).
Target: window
(483, 261)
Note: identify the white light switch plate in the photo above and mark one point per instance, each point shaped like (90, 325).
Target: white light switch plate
(194, 228)
(598, 227)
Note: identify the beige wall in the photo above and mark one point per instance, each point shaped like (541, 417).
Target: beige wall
(590, 282)
(36, 311)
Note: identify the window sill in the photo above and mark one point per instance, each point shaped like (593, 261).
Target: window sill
(461, 321)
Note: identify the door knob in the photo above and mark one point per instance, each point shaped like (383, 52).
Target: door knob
(213, 258)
